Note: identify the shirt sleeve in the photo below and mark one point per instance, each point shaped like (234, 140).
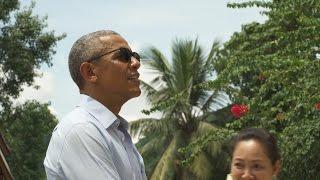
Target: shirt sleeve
(86, 156)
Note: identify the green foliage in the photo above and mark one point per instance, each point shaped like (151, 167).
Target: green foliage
(273, 67)
(300, 145)
(175, 92)
(26, 129)
(24, 47)
(197, 146)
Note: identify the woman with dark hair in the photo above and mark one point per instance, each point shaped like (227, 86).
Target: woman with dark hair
(254, 155)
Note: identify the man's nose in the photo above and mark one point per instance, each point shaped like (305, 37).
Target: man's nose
(134, 63)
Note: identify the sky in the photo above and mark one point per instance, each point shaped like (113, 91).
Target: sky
(143, 23)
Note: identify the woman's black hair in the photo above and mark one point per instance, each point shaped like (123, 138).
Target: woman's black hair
(268, 140)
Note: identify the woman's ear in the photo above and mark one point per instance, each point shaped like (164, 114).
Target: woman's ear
(276, 167)
(87, 72)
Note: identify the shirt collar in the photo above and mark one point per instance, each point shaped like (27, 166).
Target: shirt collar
(123, 123)
(101, 113)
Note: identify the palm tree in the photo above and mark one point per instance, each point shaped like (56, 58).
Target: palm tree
(182, 121)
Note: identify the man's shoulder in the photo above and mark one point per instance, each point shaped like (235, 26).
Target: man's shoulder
(75, 125)
(76, 119)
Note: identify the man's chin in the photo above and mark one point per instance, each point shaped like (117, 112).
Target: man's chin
(135, 93)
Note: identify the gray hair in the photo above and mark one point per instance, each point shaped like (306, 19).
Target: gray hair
(85, 48)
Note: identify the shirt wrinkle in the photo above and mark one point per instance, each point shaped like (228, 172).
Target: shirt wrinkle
(64, 142)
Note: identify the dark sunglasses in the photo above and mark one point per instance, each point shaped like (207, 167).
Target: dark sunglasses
(122, 53)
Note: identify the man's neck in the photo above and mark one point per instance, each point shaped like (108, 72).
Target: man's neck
(113, 103)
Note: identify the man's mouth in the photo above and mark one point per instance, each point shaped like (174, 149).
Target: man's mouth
(134, 76)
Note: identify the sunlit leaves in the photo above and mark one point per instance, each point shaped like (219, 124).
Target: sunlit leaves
(25, 46)
(273, 67)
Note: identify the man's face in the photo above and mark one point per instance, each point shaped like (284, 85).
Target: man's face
(115, 76)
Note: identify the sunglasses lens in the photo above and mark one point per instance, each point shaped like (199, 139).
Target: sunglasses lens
(136, 55)
(126, 54)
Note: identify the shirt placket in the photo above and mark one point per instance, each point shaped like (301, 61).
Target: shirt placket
(128, 145)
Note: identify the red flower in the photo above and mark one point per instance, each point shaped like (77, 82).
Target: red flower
(317, 106)
(238, 110)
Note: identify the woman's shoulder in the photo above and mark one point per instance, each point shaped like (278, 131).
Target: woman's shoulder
(229, 177)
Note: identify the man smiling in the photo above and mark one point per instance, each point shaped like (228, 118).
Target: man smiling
(92, 141)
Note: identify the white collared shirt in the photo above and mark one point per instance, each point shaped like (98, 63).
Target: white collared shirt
(91, 143)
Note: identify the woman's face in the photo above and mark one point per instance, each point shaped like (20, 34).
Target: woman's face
(250, 161)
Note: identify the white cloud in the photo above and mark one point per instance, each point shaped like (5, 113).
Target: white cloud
(53, 110)
(43, 94)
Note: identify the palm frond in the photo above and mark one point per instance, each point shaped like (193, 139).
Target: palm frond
(202, 168)
(204, 128)
(213, 53)
(213, 160)
(135, 127)
(157, 62)
(182, 58)
(164, 169)
(207, 167)
(148, 89)
(147, 126)
(151, 149)
(156, 143)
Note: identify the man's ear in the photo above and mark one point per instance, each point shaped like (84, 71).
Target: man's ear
(87, 72)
